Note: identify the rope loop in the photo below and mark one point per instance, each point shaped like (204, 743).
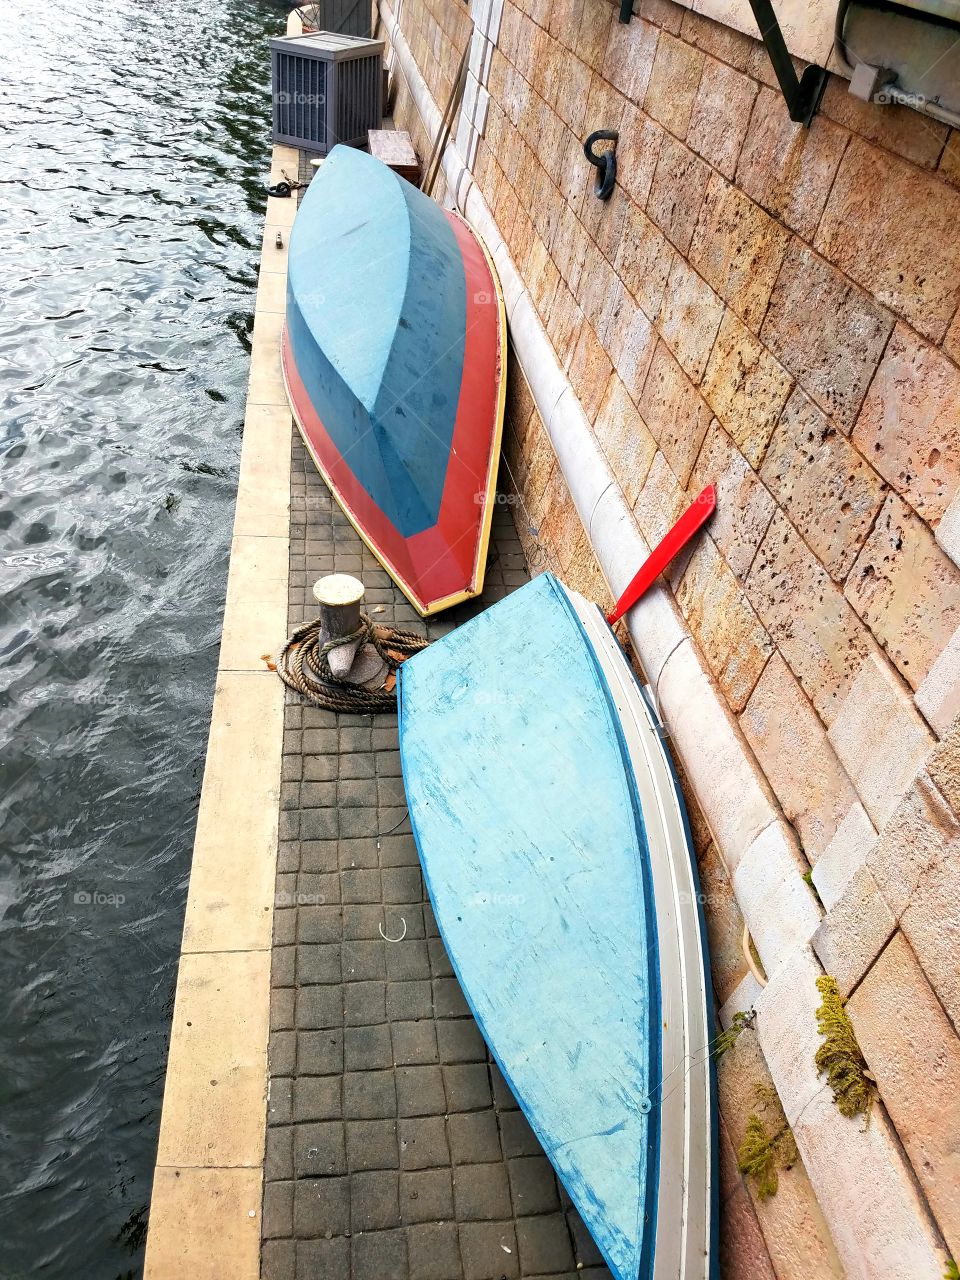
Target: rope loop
(303, 655)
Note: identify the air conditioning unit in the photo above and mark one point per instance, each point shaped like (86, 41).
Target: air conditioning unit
(327, 88)
(346, 17)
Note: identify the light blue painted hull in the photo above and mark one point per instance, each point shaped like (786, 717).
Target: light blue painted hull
(520, 761)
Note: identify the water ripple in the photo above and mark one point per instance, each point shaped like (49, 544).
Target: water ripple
(134, 146)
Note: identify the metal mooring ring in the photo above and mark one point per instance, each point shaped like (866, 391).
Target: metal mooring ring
(605, 161)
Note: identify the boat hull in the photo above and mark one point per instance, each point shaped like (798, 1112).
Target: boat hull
(557, 858)
(393, 360)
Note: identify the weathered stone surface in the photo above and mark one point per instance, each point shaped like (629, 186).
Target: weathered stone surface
(672, 87)
(676, 193)
(721, 113)
(745, 387)
(847, 851)
(787, 168)
(590, 371)
(780, 909)
(811, 623)
(690, 318)
(630, 344)
(744, 507)
(675, 412)
(791, 744)
(920, 835)
(880, 1224)
(854, 931)
(948, 531)
(792, 1224)
(629, 56)
(660, 502)
(938, 698)
(637, 152)
(743, 1250)
(892, 229)
(909, 426)
(906, 590)
(944, 766)
(724, 923)
(644, 260)
(914, 1053)
(738, 249)
(733, 641)
(623, 435)
(880, 738)
(826, 332)
(830, 494)
(931, 923)
(787, 1027)
(906, 132)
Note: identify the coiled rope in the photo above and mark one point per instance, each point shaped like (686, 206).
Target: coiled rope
(303, 655)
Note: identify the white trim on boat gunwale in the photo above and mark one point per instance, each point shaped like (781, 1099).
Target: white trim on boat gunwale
(685, 1208)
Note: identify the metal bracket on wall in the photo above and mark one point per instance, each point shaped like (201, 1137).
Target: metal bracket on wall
(605, 161)
(802, 95)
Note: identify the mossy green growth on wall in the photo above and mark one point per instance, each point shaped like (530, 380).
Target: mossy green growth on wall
(728, 1038)
(952, 1272)
(839, 1057)
(761, 1155)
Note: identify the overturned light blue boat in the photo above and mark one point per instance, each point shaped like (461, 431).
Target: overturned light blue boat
(558, 860)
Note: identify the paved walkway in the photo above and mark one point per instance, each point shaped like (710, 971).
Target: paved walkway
(394, 1149)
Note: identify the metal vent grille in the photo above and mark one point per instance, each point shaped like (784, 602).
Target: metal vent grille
(358, 101)
(348, 17)
(300, 106)
(327, 88)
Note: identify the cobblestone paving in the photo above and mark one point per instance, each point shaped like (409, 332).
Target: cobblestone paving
(394, 1149)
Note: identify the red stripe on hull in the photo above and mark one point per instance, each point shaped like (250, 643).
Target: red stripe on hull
(441, 561)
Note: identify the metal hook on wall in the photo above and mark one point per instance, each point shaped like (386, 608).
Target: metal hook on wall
(605, 161)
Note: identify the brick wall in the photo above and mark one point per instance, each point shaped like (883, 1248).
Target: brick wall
(773, 310)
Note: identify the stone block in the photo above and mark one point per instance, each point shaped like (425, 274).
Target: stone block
(724, 924)
(914, 1053)
(590, 371)
(906, 590)
(909, 427)
(746, 387)
(788, 168)
(675, 413)
(738, 249)
(786, 1025)
(673, 82)
(811, 623)
(846, 852)
(932, 926)
(879, 1223)
(938, 697)
(629, 56)
(630, 344)
(689, 319)
(779, 908)
(637, 151)
(891, 228)
(921, 836)
(660, 502)
(880, 738)
(854, 931)
(743, 1251)
(489, 1250)
(643, 261)
(721, 114)
(828, 333)
(790, 742)
(744, 507)
(625, 440)
(829, 493)
(676, 192)
(733, 641)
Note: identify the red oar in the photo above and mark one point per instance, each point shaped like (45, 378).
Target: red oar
(695, 515)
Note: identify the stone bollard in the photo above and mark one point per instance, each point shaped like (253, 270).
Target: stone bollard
(340, 596)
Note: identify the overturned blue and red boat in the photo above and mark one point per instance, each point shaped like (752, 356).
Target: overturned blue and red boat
(394, 362)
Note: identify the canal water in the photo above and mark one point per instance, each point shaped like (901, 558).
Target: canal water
(133, 146)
